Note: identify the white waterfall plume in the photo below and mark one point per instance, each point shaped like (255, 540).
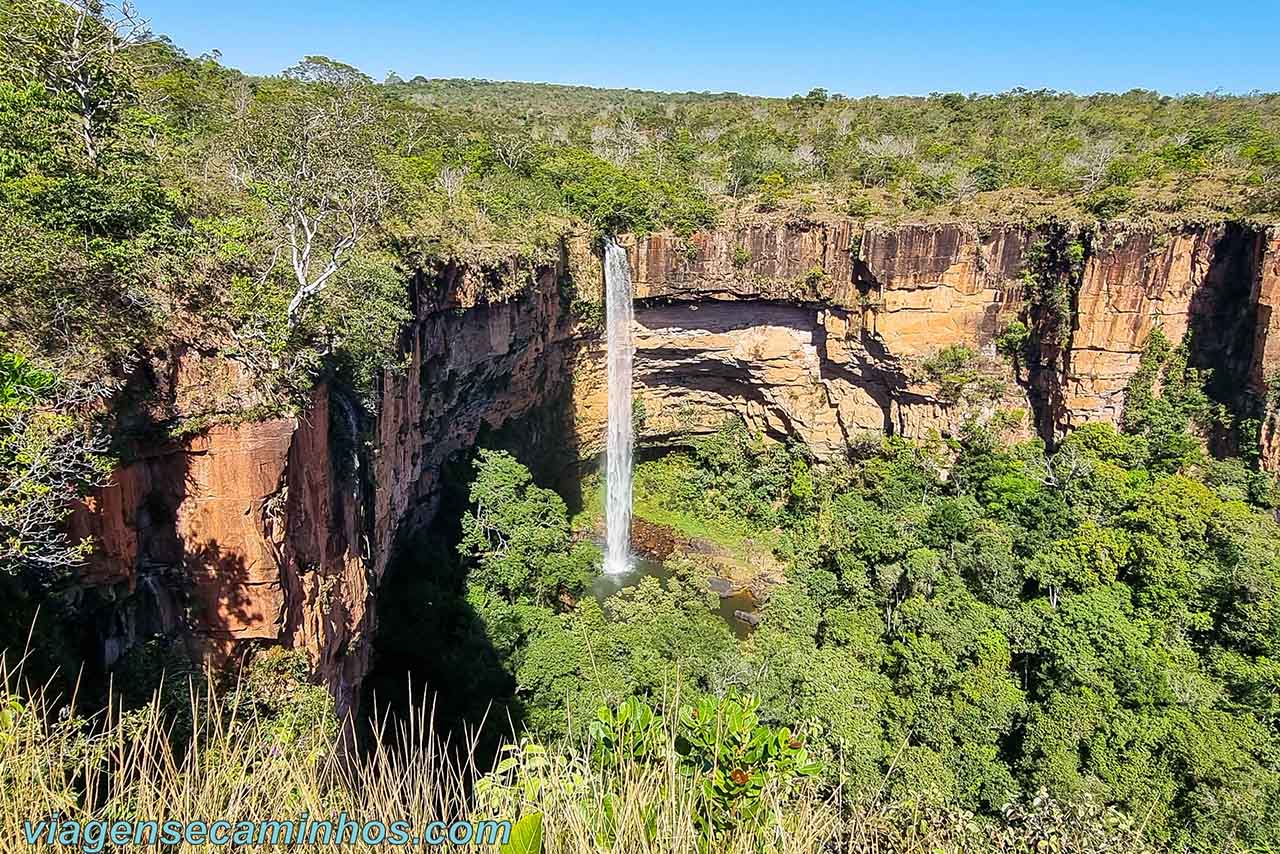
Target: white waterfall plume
(621, 438)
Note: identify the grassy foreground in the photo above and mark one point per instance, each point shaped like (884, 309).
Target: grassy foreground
(607, 796)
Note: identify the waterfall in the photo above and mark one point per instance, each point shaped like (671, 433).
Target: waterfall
(621, 438)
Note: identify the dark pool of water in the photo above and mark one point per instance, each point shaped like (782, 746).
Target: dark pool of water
(605, 586)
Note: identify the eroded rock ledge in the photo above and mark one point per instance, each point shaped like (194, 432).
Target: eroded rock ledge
(271, 531)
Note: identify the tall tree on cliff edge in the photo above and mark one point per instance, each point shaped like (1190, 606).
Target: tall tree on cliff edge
(79, 50)
(310, 154)
(94, 255)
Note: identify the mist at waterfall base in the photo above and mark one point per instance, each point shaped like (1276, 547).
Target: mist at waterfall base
(620, 441)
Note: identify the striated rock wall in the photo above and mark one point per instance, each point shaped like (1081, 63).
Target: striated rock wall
(1195, 282)
(1264, 373)
(789, 370)
(883, 300)
(244, 532)
(281, 531)
(820, 331)
(473, 367)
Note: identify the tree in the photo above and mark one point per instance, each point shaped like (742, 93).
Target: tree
(313, 158)
(516, 538)
(328, 72)
(48, 457)
(512, 147)
(1091, 163)
(77, 49)
(93, 245)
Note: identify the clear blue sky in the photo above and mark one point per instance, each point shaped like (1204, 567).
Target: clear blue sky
(776, 48)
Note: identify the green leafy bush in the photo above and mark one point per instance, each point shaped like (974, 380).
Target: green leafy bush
(516, 537)
(724, 743)
(1012, 340)
(954, 368)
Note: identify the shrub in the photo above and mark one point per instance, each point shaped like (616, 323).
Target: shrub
(1012, 340)
(953, 368)
(771, 189)
(1109, 202)
(859, 207)
(816, 277)
(723, 743)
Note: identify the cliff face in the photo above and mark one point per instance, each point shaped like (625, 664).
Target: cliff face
(1199, 283)
(1264, 376)
(822, 331)
(844, 321)
(242, 533)
(473, 369)
(263, 532)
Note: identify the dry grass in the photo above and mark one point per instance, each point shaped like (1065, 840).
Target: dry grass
(236, 767)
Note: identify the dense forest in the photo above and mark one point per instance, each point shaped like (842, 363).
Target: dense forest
(971, 643)
(985, 620)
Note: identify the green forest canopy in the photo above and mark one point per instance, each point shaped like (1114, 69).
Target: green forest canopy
(1095, 622)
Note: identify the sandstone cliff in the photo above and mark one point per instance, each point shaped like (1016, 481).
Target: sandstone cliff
(820, 331)
(281, 530)
(244, 532)
(843, 318)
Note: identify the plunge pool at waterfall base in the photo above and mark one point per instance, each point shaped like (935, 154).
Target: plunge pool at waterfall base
(607, 585)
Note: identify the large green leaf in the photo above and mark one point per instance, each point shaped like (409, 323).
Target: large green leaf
(526, 836)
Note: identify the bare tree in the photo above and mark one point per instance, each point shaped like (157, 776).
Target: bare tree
(412, 124)
(844, 122)
(618, 144)
(710, 134)
(1090, 164)
(602, 141)
(965, 185)
(76, 48)
(806, 156)
(512, 148)
(452, 179)
(1061, 470)
(314, 161)
(888, 146)
(241, 99)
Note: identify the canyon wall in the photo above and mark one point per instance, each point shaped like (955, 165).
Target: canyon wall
(281, 530)
(823, 330)
(474, 367)
(244, 532)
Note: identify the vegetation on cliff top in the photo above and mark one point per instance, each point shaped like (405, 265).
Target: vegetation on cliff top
(164, 204)
(1020, 154)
